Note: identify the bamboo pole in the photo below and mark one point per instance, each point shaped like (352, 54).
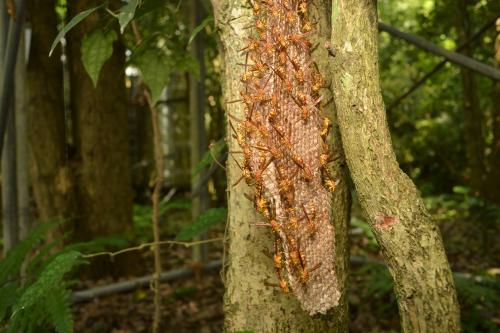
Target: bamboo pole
(8, 66)
(22, 168)
(8, 163)
(453, 57)
(439, 66)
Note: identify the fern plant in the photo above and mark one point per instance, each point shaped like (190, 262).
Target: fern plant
(40, 300)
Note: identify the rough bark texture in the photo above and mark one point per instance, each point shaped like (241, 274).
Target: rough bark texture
(249, 303)
(473, 117)
(411, 243)
(101, 136)
(50, 171)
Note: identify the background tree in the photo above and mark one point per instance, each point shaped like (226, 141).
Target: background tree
(51, 169)
(424, 284)
(493, 181)
(473, 116)
(100, 133)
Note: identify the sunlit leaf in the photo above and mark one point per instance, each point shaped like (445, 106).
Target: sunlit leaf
(199, 28)
(460, 189)
(74, 21)
(208, 158)
(97, 47)
(155, 67)
(127, 13)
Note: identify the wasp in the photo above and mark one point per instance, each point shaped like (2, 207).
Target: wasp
(311, 226)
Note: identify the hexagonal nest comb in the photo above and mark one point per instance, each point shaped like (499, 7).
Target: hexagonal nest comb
(285, 154)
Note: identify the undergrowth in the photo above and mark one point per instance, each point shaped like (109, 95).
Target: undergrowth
(34, 289)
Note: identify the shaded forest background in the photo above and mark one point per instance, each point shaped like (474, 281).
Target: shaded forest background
(89, 151)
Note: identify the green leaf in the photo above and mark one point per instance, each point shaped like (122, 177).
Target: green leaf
(74, 21)
(155, 67)
(199, 28)
(202, 223)
(8, 297)
(97, 47)
(127, 13)
(51, 276)
(188, 64)
(11, 264)
(59, 310)
(214, 150)
(460, 189)
(46, 300)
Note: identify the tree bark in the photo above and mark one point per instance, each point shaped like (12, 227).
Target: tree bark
(411, 243)
(248, 302)
(50, 171)
(492, 185)
(473, 117)
(100, 121)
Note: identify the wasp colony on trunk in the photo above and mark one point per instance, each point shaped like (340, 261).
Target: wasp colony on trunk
(284, 151)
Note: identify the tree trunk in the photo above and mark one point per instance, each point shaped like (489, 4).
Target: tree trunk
(50, 171)
(198, 135)
(101, 136)
(473, 117)
(248, 303)
(492, 185)
(410, 241)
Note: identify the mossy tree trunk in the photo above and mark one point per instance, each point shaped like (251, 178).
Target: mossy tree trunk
(249, 303)
(410, 241)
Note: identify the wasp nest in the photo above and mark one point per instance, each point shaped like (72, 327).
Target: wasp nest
(285, 154)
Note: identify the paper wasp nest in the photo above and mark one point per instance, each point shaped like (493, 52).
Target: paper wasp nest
(285, 155)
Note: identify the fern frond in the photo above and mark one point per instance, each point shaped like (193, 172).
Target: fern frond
(37, 262)
(8, 297)
(59, 310)
(15, 257)
(36, 306)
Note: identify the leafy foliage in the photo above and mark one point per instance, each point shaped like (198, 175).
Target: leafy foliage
(477, 297)
(427, 127)
(42, 299)
(74, 21)
(162, 51)
(172, 216)
(214, 150)
(156, 68)
(127, 13)
(200, 27)
(15, 257)
(202, 223)
(97, 47)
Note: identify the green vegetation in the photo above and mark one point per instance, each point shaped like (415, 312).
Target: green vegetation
(431, 130)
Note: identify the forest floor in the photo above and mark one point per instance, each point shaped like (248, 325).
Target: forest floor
(195, 304)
